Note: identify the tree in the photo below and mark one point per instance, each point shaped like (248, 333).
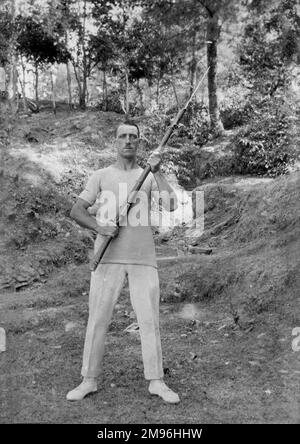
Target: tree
(12, 87)
(270, 43)
(124, 15)
(39, 46)
(80, 45)
(103, 56)
(169, 40)
(72, 27)
(5, 33)
(104, 45)
(154, 55)
(213, 29)
(64, 22)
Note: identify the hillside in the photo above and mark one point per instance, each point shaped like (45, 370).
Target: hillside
(227, 317)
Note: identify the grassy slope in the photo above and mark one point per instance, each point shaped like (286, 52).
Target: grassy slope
(253, 230)
(226, 319)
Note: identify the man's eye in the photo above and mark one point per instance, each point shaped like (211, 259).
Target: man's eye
(131, 136)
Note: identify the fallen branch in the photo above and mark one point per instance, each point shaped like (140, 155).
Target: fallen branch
(184, 258)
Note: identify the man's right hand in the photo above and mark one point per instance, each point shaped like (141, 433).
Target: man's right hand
(108, 230)
(80, 214)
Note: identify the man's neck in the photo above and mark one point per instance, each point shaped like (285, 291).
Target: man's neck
(126, 164)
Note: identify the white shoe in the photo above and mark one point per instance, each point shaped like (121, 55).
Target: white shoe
(86, 387)
(159, 388)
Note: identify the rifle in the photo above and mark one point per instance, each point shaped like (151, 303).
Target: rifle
(131, 197)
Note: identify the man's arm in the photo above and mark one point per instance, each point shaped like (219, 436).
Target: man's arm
(80, 214)
(167, 194)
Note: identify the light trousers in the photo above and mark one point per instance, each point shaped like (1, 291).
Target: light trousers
(106, 284)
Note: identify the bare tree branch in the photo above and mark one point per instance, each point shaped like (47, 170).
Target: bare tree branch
(207, 5)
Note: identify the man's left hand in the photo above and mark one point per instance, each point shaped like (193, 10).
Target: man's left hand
(155, 161)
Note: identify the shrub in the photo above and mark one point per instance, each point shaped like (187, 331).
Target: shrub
(179, 157)
(195, 124)
(113, 103)
(35, 214)
(265, 146)
(181, 162)
(235, 107)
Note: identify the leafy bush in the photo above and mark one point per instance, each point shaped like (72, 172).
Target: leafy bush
(35, 214)
(265, 146)
(269, 44)
(235, 108)
(181, 162)
(195, 124)
(192, 132)
(218, 167)
(113, 103)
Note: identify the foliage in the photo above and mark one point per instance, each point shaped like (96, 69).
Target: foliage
(133, 45)
(37, 214)
(265, 147)
(180, 161)
(37, 44)
(270, 41)
(196, 124)
(235, 107)
(179, 157)
(5, 33)
(111, 103)
(103, 49)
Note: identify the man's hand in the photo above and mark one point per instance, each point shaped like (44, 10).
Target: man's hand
(155, 161)
(111, 230)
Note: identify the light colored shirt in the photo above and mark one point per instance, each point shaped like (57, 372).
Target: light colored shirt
(106, 191)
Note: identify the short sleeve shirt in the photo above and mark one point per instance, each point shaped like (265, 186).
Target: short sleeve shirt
(107, 190)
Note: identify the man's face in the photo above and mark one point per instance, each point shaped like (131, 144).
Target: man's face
(127, 141)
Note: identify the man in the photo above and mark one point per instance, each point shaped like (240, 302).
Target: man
(131, 252)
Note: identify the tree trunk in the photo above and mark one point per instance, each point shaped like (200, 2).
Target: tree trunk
(82, 94)
(212, 35)
(68, 75)
(53, 93)
(6, 80)
(193, 65)
(148, 96)
(87, 92)
(126, 93)
(140, 93)
(69, 85)
(22, 84)
(105, 98)
(13, 83)
(37, 85)
(175, 92)
(78, 82)
(157, 91)
(13, 78)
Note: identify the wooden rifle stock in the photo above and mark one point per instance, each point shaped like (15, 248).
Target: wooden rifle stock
(131, 197)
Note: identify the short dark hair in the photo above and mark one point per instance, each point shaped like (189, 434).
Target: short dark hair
(130, 123)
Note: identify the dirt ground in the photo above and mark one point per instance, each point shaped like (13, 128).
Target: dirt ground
(223, 373)
(226, 318)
